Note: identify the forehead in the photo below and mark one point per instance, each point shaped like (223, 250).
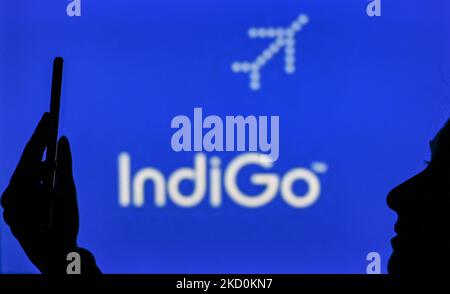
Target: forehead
(441, 138)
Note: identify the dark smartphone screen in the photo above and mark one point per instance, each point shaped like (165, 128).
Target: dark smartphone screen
(55, 101)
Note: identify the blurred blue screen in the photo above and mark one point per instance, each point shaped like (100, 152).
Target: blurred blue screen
(367, 95)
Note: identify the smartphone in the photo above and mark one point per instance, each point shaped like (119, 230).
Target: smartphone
(55, 102)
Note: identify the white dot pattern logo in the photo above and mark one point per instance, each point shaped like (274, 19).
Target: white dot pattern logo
(284, 37)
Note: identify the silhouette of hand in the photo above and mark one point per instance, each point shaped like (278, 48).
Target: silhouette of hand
(43, 219)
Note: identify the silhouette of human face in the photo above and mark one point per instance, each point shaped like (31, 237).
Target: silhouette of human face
(423, 207)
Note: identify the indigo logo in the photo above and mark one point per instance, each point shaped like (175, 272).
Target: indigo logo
(213, 133)
(284, 37)
(210, 176)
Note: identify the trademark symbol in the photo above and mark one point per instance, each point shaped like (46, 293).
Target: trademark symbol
(319, 167)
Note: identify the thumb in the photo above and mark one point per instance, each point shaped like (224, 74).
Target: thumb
(64, 175)
(65, 213)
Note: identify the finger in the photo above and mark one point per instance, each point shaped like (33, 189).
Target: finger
(65, 209)
(34, 150)
(21, 193)
(26, 217)
(27, 203)
(64, 175)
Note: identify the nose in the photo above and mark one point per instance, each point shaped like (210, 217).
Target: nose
(408, 194)
(393, 199)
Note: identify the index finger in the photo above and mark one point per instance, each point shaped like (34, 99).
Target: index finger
(34, 150)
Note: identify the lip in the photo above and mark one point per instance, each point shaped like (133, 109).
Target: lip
(397, 227)
(395, 242)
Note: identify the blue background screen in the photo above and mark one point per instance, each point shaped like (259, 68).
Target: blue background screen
(367, 95)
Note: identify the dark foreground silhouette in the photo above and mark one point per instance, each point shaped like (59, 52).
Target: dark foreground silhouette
(45, 220)
(422, 244)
